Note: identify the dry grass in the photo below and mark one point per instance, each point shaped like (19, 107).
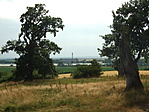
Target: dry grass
(64, 76)
(105, 73)
(95, 97)
(102, 96)
(109, 73)
(114, 73)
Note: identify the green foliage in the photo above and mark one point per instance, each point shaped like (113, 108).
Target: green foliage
(32, 47)
(130, 28)
(88, 71)
(4, 76)
(10, 109)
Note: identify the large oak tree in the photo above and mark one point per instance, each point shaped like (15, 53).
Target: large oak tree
(32, 46)
(129, 39)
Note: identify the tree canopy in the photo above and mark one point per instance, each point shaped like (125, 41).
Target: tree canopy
(32, 46)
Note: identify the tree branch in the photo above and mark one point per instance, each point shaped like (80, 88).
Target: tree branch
(139, 55)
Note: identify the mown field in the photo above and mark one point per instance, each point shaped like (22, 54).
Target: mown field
(64, 94)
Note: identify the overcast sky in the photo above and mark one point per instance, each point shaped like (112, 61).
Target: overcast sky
(84, 21)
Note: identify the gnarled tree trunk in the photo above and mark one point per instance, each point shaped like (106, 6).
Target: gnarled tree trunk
(130, 67)
(120, 71)
(29, 77)
(118, 66)
(30, 62)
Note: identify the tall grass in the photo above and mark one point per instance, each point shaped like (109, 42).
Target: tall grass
(101, 96)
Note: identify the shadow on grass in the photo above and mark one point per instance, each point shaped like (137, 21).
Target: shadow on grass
(137, 98)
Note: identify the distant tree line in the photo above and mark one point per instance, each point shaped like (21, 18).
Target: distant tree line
(108, 62)
(7, 61)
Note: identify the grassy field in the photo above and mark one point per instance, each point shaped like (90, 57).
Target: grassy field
(104, 94)
(7, 69)
(63, 70)
(64, 94)
(60, 70)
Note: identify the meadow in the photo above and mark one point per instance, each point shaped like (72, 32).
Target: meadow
(104, 94)
(64, 94)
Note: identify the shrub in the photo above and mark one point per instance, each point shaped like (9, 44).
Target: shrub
(88, 71)
(4, 76)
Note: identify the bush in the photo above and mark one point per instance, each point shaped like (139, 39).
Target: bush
(4, 76)
(88, 71)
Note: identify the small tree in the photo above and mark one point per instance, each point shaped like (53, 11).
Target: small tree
(34, 50)
(88, 71)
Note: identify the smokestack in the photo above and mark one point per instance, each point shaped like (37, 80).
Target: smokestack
(72, 55)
